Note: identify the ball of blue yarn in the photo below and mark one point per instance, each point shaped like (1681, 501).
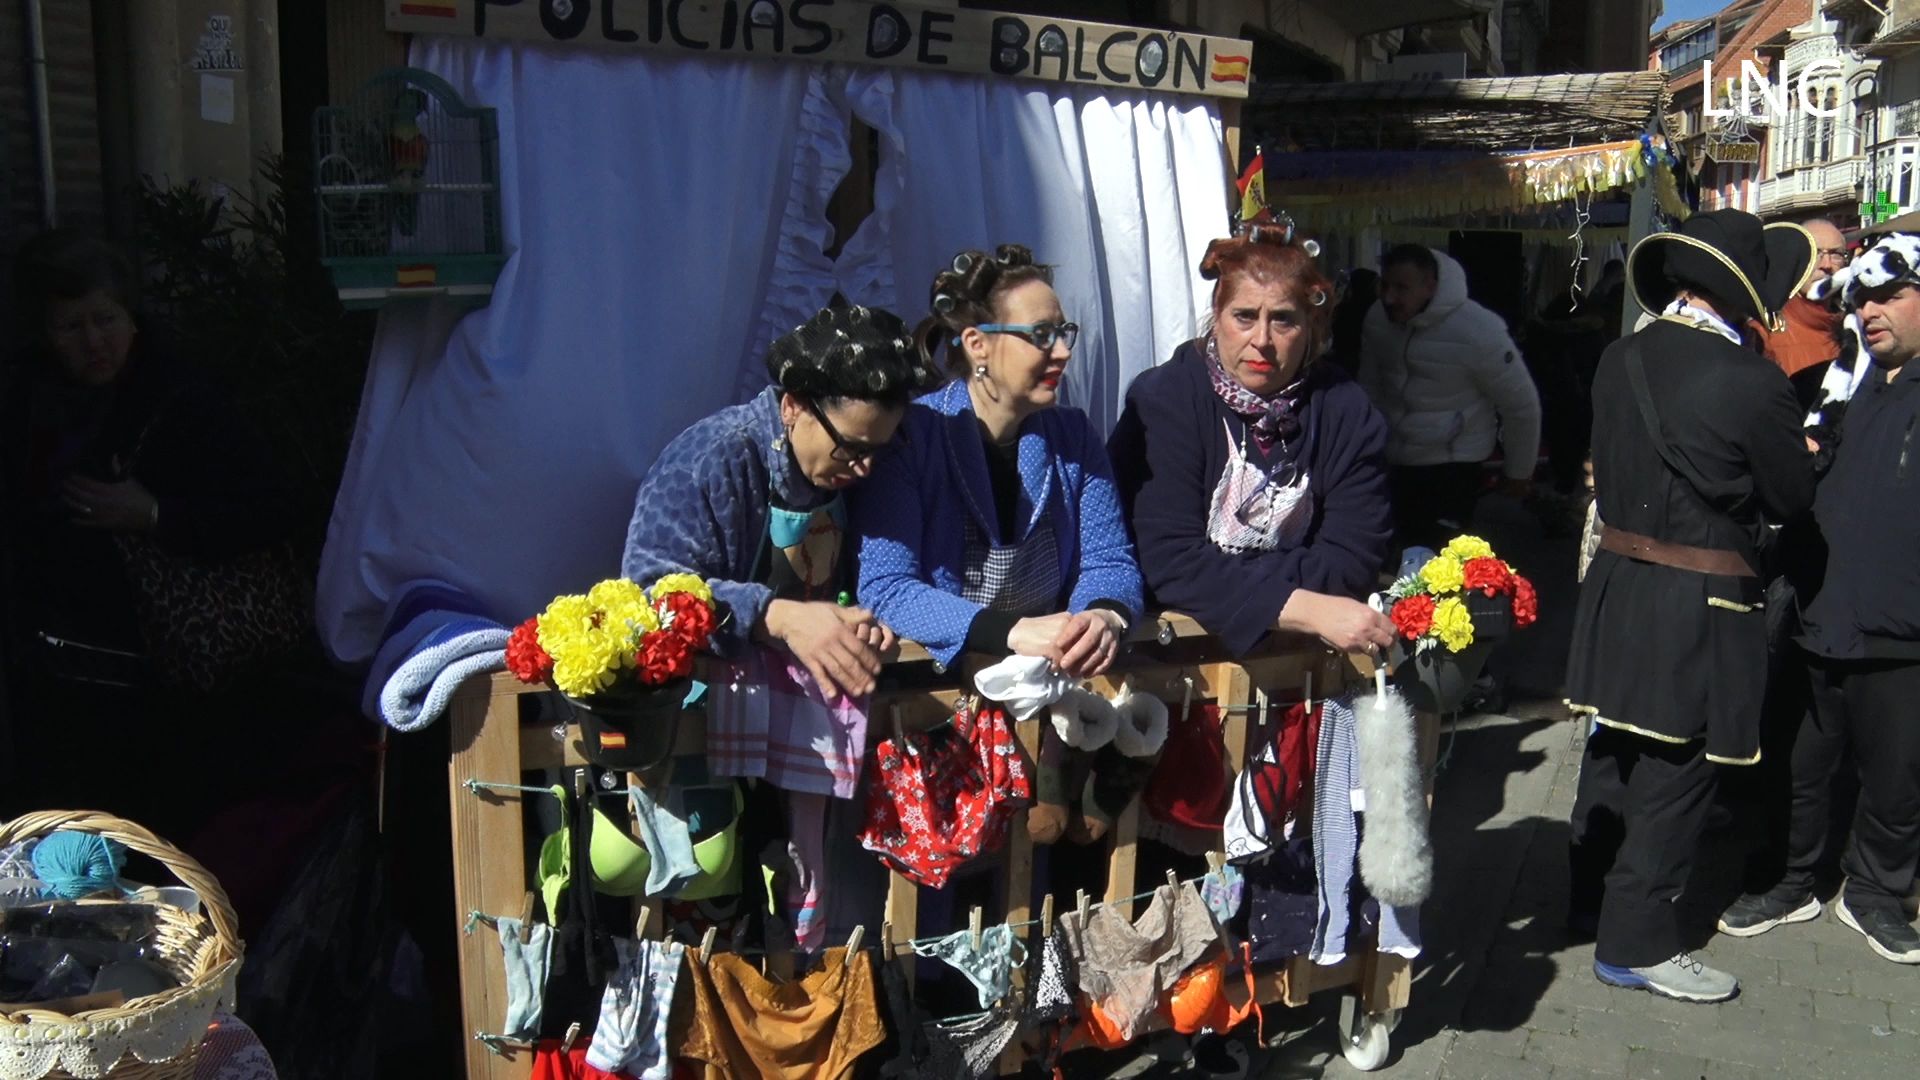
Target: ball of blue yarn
(75, 864)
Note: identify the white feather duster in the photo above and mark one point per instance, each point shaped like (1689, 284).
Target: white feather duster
(1396, 855)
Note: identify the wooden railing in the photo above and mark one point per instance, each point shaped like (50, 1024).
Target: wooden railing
(1171, 656)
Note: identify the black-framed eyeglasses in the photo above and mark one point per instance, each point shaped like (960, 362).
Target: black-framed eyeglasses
(846, 451)
(1041, 335)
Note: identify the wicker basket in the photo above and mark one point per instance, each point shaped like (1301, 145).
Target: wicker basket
(156, 1037)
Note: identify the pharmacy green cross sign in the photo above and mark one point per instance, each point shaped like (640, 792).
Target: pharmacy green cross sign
(1877, 209)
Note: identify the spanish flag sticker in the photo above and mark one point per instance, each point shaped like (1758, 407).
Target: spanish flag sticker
(612, 740)
(440, 9)
(1229, 68)
(416, 276)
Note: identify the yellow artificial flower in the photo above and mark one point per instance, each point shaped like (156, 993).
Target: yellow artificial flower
(1453, 623)
(1468, 548)
(1443, 574)
(681, 583)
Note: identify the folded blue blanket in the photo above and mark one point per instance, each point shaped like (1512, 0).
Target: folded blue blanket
(426, 658)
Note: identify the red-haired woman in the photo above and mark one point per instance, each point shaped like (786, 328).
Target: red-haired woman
(1252, 474)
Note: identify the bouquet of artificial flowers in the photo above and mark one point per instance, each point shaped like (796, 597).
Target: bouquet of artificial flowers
(1461, 594)
(618, 632)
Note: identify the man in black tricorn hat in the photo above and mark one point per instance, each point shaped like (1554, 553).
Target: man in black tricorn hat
(1697, 447)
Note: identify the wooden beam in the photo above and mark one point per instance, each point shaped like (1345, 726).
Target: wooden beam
(488, 872)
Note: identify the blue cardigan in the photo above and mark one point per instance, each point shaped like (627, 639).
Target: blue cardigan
(911, 517)
(703, 509)
(1168, 452)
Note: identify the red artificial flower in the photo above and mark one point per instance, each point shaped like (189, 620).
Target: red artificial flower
(1413, 616)
(525, 658)
(691, 618)
(663, 657)
(1490, 576)
(1526, 603)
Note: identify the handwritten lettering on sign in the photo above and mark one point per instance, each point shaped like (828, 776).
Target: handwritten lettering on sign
(859, 31)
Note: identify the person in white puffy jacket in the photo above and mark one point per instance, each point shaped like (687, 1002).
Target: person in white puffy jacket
(1450, 381)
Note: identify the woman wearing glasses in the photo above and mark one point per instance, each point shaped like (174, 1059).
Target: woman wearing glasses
(996, 529)
(750, 497)
(1252, 474)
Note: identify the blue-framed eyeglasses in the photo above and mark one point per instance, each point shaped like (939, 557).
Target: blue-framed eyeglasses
(1041, 335)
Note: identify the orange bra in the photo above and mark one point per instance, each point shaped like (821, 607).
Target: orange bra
(1197, 1002)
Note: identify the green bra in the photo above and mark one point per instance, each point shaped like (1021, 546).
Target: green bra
(621, 863)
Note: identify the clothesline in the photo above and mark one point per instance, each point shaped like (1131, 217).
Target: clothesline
(475, 917)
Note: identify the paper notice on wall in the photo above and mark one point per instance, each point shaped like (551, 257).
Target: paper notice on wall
(216, 98)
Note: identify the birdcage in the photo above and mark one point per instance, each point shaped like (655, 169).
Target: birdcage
(407, 184)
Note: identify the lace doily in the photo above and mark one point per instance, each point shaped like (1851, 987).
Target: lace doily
(90, 1048)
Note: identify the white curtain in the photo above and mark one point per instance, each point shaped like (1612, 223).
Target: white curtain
(1120, 191)
(666, 220)
(663, 219)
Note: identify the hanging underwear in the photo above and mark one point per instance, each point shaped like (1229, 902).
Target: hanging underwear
(1223, 890)
(741, 1026)
(631, 1034)
(1123, 966)
(969, 1047)
(1283, 902)
(966, 1047)
(939, 798)
(989, 968)
(526, 967)
(1198, 1002)
(552, 1063)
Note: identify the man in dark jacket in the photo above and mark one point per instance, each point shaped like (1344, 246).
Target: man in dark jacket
(1861, 636)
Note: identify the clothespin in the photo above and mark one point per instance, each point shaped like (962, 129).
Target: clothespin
(1309, 690)
(1046, 916)
(526, 920)
(886, 940)
(640, 922)
(899, 729)
(1186, 696)
(1260, 701)
(1173, 882)
(573, 1035)
(853, 939)
(973, 927)
(1082, 904)
(706, 943)
(1216, 861)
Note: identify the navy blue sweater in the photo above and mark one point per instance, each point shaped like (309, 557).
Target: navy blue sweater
(1168, 452)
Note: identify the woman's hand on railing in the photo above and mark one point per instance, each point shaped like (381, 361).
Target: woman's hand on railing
(1090, 642)
(841, 647)
(1348, 626)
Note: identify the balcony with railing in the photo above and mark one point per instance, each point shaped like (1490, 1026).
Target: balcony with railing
(1810, 186)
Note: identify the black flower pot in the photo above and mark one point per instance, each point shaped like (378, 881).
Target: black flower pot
(1492, 616)
(631, 727)
(1438, 680)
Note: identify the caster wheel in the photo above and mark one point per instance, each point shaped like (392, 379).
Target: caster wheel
(1367, 1040)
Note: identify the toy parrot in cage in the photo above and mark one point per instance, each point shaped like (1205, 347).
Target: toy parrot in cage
(407, 151)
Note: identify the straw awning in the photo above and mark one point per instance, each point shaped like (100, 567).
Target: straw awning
(1514, 114)
(1347, 154)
